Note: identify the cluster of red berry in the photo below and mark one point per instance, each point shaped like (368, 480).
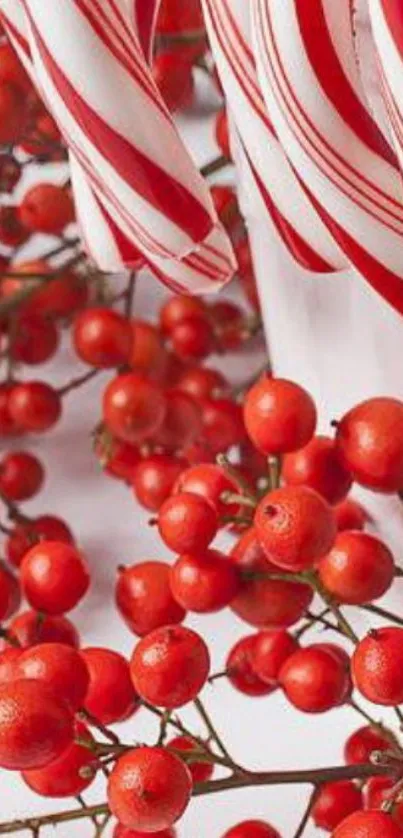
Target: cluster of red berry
(203, 461)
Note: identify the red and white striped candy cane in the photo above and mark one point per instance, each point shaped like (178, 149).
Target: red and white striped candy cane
(305, 235)
(387, 26)
(94, 75)
(309, 76)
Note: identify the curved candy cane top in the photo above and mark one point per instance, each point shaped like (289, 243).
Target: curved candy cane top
(228, 23)
(310, 80)
(387, 25)
(144, 18)
(94, 75)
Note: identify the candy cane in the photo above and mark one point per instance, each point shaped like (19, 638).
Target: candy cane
(228, 24)
(310, 80)
(387, 24)
(144, 18)
(94, 74)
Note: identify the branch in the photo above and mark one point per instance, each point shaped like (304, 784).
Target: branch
(382, 612)
(307, 814)
(51, 820)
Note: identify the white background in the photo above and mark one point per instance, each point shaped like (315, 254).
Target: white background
(111, 529)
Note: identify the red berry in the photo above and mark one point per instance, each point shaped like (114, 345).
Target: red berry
(61, 296)
(182, 423)
(46, 208)
(102, 337)
(147, 353)
(59, 666)
(358, 569)
(117, 458)
(210, 482)
(252, 829)
(314, 679)
(240, 671)
(36, 339)
(8, 661)
(124, 832)
(29, 630)
(192, 339)
(222, 133)
(35, 406)
(170, 666)
(8, 425)
(371, 824)
(223, 425)
(21, 475)
(270, 603)
(271, 650)
(187, 523)
(133, 407)
(173, 76)
(203, 383)
(226, 206)
(11, 69)
(144, 598)
(377, 666)
(319, 466)
(279, 415)
(110, 696)
(350, 515)
(64, 777)
(204, 582)
(10, 168)
(54, 577)
(12, 115)
(35, 726)
(230, 326)
(370, 440)
(181, 307)
(200, 771)
(10, 595)
(295, 527)
(149, 789)
(24, 536)
(362, 743)
(154, 479)
(12, 232)
(181, 25)
(377, 792)
(335, 802)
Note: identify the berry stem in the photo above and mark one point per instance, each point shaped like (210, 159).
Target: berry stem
(379, 726)
(307, 814)
(236, 475)
(382, 612)
(51, 820)
(274, 464)
(215, 736)
(214, 166)
(129, 295)
(13, 511)
(343, 624)
(77, 382)
(108, 734)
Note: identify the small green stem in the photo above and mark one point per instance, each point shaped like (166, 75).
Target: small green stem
(343, 624)
(274, 464)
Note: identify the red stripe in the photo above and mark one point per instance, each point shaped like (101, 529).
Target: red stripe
(388, 284)
(335, 84)
(16, 35)
(299, 117)
(146, 12)
(393, 12)
(236, 30)
(302, 252)
(131, 256)
(160, 190)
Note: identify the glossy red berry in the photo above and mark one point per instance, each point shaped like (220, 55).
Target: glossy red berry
(182, 422)
(295, 527)
(210, 482)
(8, 425)
(240, 670)
(280, 416)
(46, 208)
(269, 603)
(149, 789)
(35, 726)
(377, 793)
(319, 466)
(252, 829)
(187, 523)
(125, 832)
(110, 696)
(21, 475)
(144, 598)
(358, 569)
(36, 339)
(370, 440)
(35, 406)
(117, 458)
(60, 297)
(314, 679)
(60, 667)
(12, 232)
(10, 168)
(377, 666)
(222, 423)
(226, 206)
(181, 25)
(350, 515)
(200, 771)
(24, 536)
(271, 650)
(147, 354)
(204, 582)
(134, 407)
(10, 595)
(154, 479)
(102, 337)
(54, 577)
(11, 69)
(361, 744)
(181, 307)
(203, 383)
(12, 114)
(65, 776)
(29, 631)
(8, 664)
(173, 76)
(335, 801)
(222, 133)
(170, 666)
(192, 339)
(370, 824)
